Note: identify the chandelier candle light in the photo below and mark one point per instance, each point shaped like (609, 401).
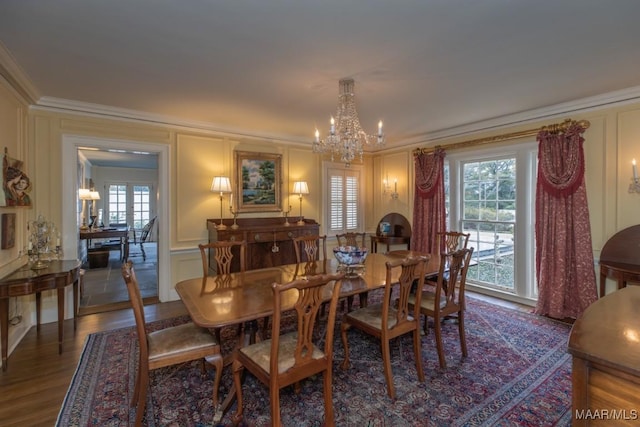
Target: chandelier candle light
(222, 185)
(346, 138)
(301, 188)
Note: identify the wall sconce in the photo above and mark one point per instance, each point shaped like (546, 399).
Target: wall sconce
(634, 187)
(84, 194)
(387, 188)
(222, 185)
(301, 188)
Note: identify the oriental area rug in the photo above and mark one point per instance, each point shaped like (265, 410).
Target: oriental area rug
(518, 373)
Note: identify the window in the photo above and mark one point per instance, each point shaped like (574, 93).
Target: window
(491, 196)
(344, 205)
(130, 204)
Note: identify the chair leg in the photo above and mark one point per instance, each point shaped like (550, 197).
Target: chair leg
(144, 255)
(329, 420)
(237, 369)
(136, 388)
(388, 375)
(274, 400)
(438, 330)
(142, 398)
(345, 344)
(463, 338)
(417, 350)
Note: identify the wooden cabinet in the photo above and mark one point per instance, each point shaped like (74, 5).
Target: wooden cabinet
(605, 345)
(269, 241)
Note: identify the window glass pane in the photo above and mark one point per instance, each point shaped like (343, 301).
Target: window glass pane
(489, 200)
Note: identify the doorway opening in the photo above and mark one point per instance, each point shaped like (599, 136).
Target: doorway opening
(131, 195)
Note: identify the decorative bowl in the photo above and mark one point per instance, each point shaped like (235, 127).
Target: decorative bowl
(350, 255)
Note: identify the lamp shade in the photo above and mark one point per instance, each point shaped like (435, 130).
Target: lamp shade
(94, 195)
(84, 194)
(300, 187)
(221, 184)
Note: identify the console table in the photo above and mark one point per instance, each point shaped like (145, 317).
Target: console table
(399, 232)
(26, 281)
(269, 240)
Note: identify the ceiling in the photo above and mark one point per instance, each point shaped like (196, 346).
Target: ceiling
(271, 68)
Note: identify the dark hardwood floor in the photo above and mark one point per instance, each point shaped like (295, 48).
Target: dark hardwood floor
(36, 381)
(34, 386)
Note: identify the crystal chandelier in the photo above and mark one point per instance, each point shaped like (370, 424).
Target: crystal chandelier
(346, 138)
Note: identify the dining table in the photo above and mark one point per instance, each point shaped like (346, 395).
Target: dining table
(246, 297)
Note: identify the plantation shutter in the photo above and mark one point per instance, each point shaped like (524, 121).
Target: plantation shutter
(344, 210)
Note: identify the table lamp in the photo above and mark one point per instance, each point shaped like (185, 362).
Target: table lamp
(301, 188)
(222, 185)
(84, 194)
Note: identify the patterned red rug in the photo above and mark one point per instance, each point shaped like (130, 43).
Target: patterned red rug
(518, 373)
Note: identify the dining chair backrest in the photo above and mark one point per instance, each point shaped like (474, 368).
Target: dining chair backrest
(352, 239)
(310, 248)
(169, 346)
(412, 270)
(451, 241)
(129, 276)
(223, 254)
(453, 269)
(311, 294)
(300, 353)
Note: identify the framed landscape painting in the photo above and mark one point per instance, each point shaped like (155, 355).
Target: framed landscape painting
(259, 182)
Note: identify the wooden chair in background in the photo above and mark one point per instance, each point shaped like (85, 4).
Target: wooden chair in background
(223, 255)
(310, 248)
(387, 320)
(286, 359)
(352, 239)
(166, 347)
(451, 241)
(141, 236)
(447, 300)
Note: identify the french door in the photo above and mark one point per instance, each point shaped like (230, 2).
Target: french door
(130, 203)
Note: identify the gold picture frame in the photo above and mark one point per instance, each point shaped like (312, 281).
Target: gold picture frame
(258, 182)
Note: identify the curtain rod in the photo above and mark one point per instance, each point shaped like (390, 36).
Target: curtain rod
(556, 127)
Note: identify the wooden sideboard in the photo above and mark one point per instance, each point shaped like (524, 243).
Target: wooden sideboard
(269, 240)
(605, 345)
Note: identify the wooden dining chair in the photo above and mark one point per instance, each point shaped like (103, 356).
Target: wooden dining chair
(451, 241)
(223, 254)
(141, 236)
(388, 319)
(310, 248)
(288, 358)
(352, 239)
(447, 301)
(166, 347)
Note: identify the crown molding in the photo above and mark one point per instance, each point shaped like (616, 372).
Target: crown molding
(61, 105)
(16, 77)
(609, 99)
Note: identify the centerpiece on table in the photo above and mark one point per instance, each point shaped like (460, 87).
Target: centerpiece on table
(351, 259)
